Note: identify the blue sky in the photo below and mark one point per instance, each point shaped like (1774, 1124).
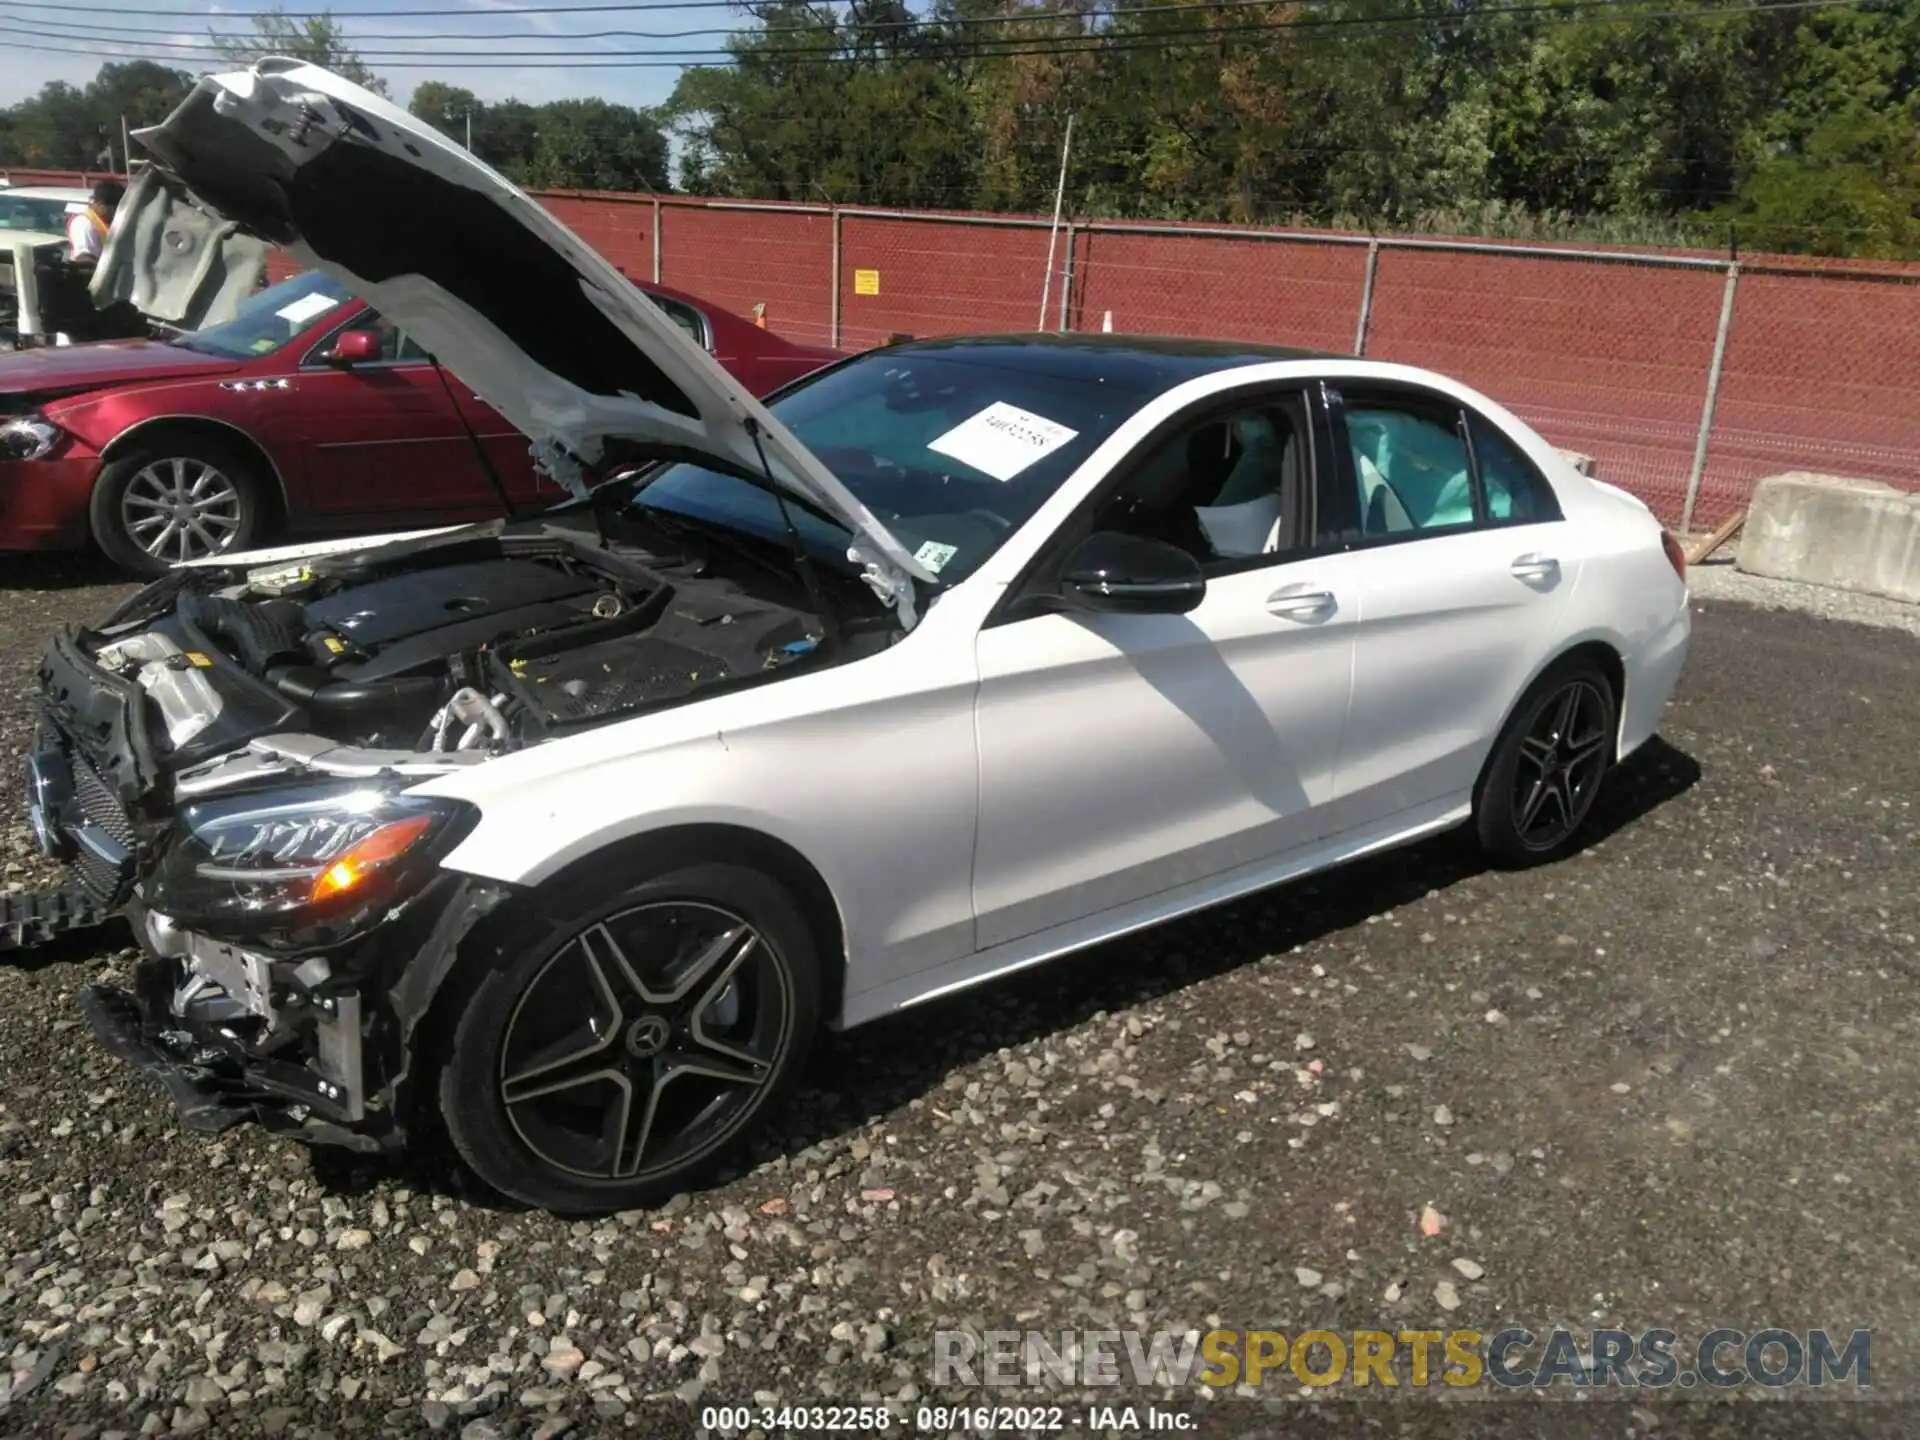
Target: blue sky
(177, 31)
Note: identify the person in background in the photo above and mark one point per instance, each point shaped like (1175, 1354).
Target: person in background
(87, 231)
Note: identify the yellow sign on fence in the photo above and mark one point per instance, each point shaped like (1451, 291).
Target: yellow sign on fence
(866, 282)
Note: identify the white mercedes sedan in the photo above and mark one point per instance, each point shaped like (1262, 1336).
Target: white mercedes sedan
(562, 836)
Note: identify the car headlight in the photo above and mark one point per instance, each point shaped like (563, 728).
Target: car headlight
(249, 863)
(27, 437)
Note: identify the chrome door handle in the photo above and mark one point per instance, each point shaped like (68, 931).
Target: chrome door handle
(1534, 566)
(1297, 602)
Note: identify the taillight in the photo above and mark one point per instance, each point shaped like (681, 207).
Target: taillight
(1676, 557)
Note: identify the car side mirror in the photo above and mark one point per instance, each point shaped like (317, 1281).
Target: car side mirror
(355, 347)
(1123, 574)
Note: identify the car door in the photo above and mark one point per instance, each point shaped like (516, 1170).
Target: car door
(385, 436)
(507, 451)
(1464, 568)
(1126, 755)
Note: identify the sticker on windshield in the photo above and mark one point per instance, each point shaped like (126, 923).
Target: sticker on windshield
(1002, 440)
(306, 308)
(934, 555)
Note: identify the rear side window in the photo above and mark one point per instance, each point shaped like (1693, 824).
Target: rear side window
(1516, 491)
(1412, 469)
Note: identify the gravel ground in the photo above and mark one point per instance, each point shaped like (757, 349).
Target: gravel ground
(1717, 579)
(1665, 1083)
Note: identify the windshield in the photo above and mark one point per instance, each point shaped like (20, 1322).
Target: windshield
(270, 319)
(951, 454)
(32, 212)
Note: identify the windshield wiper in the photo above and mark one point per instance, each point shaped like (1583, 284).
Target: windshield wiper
(675, 524)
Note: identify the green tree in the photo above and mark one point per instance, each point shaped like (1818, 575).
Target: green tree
(564, 145)
(447, 108)
(57, 127)
(1850, 187)
(885, 122)
(596, 145)
(74, 127)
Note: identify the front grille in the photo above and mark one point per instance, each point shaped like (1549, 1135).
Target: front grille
(109, 880)
(99, 804)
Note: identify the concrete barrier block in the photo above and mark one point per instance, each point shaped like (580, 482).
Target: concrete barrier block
(1834, 530)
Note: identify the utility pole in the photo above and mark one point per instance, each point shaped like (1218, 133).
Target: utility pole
(469, 132)
(126, 147)
(1053, 235)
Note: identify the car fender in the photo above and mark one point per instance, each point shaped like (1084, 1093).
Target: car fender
(142, 428)
(865, 770)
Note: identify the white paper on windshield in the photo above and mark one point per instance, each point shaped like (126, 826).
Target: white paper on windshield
(306, 308)
(934, 555)
(1002, 440)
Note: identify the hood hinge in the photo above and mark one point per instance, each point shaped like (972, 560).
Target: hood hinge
(892, 584)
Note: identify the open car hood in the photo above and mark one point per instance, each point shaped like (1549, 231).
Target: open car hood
(503, 294)
(172, 261)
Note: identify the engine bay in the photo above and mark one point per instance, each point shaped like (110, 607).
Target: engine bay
(479, 643)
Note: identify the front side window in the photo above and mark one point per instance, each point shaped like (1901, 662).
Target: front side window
(685, 316)
(1229, 489)
(32, 212)
(1411, 468)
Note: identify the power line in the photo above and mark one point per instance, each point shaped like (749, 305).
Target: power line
(1120, 41)
(200, 17)
(863, 26)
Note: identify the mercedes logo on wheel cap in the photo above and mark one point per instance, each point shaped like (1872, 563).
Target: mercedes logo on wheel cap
(647, 1037)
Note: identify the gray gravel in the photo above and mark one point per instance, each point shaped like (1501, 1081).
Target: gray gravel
(1718, 579)
(1668, 1082)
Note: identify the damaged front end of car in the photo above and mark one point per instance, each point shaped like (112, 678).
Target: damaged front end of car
(320, 1046)
(230, 761)
(235, 757)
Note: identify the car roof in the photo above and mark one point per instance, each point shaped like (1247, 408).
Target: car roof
(1145, 363)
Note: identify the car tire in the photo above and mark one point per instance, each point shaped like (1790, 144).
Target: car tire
(605, 1054)
(216, 488)
(1547, 767)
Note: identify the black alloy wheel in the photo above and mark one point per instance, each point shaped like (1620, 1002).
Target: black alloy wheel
(616, 1063)
(1561, 761)
(1548, 766)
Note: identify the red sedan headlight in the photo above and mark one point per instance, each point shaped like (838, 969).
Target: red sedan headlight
(27, 437)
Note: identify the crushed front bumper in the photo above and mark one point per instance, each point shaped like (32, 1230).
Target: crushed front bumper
(118, 1022)
(319, 1040)
(320, 1046)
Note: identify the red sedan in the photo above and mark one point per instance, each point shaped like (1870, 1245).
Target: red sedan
(300, 413)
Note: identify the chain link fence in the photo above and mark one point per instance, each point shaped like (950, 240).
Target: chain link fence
(1686, 376)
